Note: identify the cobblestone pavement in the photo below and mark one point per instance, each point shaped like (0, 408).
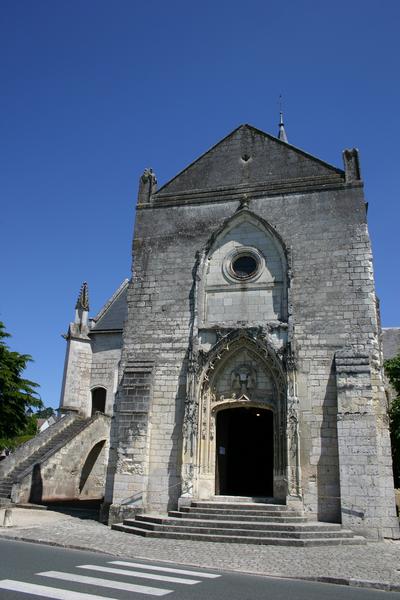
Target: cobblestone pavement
(375, 562)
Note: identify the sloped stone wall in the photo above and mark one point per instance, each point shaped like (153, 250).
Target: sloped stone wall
(74, 472)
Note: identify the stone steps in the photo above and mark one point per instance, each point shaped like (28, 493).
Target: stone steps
(242, 517)
(306, 526)
(253, 506)
(242, 500)
(243, 522)
(52, 444)
(232, 512)
(272, 541)
(265, 532)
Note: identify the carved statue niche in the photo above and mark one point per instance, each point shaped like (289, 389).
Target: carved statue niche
(243, 380)
(147, 186)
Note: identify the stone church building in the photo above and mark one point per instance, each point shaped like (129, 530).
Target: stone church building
(243, 358)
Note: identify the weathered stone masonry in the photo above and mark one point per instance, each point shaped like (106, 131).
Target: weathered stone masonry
(198, 340)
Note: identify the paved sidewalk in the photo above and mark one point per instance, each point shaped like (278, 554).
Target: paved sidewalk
(376, 564)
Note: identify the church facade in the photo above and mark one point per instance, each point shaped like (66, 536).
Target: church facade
(243, 357)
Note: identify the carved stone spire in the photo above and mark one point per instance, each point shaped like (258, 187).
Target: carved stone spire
(282, 133)
(82, 306)
(83, 299)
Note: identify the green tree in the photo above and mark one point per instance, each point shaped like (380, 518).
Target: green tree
(392, 370)
(45, 413)
(17, 394)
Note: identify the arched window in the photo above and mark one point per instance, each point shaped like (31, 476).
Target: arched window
(244, 277)
(98, 400)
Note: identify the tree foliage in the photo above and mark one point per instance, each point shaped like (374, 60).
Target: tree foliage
(392, 370)
(17, 394)
(45, 413)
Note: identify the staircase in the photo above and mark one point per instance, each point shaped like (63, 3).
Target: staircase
(243, 521)
(51, 446)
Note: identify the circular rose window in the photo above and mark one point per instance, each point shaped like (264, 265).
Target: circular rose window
(244, 266)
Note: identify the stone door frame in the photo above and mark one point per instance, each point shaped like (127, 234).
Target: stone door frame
(198, 465)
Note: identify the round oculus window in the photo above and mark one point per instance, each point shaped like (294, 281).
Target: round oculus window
(244, 266)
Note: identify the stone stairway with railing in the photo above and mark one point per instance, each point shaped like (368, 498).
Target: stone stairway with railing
(49, 447)
(240, 520)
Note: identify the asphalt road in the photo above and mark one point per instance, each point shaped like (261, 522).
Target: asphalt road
(33, 571)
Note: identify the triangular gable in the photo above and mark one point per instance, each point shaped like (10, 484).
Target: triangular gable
(113, 313)
(248, 156)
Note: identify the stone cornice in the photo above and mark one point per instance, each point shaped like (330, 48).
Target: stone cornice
(102, 331)
(262, 189)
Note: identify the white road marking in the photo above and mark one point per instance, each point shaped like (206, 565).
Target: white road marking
(48, 592)
(139, 574)
(124, 563)
(117, 585)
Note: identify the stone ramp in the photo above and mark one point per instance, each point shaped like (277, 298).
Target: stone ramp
(50, 446)
(240, 522)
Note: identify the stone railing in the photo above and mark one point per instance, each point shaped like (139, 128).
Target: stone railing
(66, 460)
(26, 450)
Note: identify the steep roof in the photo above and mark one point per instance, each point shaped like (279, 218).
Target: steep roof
(390, 342)
(248, 156)
(112, 316)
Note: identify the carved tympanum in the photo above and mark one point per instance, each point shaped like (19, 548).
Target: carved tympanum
(243, 380)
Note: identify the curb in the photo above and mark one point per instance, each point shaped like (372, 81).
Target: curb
(346, 581)
(352, 582)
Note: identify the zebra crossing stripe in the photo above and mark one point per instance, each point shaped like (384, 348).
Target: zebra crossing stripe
(124, 563)
(131, 573)
(48, 592)
(107, 583)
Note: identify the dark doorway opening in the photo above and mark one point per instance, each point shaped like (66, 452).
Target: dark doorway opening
(245, 452)
(98, 400)
(36, 491)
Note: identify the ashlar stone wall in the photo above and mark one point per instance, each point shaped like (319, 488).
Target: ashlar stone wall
(75, 393)
(91, 361)
(106, 354)
(318, 212)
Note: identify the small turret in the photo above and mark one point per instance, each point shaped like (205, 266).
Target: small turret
(78, 359)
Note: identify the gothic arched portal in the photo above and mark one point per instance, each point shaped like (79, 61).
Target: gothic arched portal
(242, 372)
(237, 367)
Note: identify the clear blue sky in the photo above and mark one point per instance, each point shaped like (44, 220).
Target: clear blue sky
(95, 91)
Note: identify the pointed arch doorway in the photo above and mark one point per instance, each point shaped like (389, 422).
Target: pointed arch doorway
(243, 377)
(244, 452)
